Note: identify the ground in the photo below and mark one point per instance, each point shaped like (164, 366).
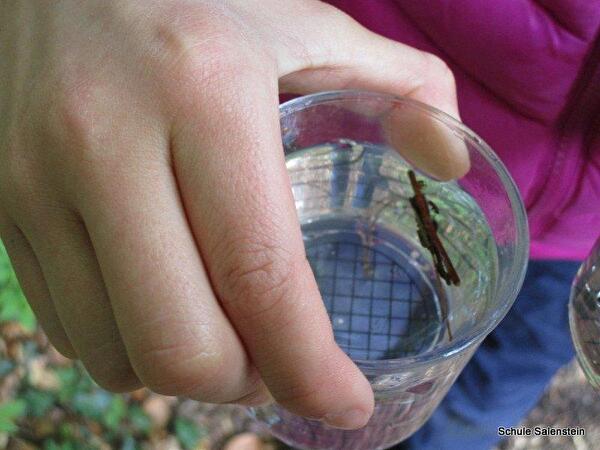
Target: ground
(569, 402)
(54, 405)
(49, 402)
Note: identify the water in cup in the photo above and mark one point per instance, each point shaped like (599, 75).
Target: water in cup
(379, 285)
(378, 282)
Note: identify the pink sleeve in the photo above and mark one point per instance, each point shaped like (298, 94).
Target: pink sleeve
(527, 53)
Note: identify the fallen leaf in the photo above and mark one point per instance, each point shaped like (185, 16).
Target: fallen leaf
(9, 384)
(14, 350)
(19, 444)
(14, 330)
(43, 427)
(139, 395)
(244, 441)
(40, 376)
(56, 415)
(170, 443)
(158, 409)
(158, 434)
(95, 427)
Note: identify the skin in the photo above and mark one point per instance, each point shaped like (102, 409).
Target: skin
(144, 200)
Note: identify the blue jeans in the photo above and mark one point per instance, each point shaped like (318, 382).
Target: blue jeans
(510, 371)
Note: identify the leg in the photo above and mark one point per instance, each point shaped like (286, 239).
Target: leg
(511, 369)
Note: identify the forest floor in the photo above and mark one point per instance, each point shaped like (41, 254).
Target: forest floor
(49, 402)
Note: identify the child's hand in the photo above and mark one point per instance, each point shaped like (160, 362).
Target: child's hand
(144, 199)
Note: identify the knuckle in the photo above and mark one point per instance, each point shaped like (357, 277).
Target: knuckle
(303, 398)
(181, 369)
(72, 113)
(21, 191)
(12, 174)
(258, 278)
(209, 73)
(436, 65)
(327, 13)
(37, 153)
(15, 163)
(109, 366)
(203, 55)
(177, 47)
(170, 41)
(80, 125)
(257, 397)
(76, 116)
(114, 379)
(196, 58)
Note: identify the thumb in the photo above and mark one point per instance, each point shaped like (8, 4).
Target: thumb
(344, 54)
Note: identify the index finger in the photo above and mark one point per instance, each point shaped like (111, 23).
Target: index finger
(231, 170)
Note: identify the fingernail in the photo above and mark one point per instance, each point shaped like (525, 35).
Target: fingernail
(347, 420)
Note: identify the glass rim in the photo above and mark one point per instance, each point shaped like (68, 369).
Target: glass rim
(510, 287)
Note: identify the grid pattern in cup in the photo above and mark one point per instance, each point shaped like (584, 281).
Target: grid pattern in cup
(379, 309)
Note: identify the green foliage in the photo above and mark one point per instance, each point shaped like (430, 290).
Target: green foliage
(74, 414)
(77, 395)
(9, 413)
(91, 405)
(120, 422)
(139, 420)
(13, 306)
(115, 412)
(53, 445)
(187, 432)
(38, 402)
(6, 366)
(129, 443)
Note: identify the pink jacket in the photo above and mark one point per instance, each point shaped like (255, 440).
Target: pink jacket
(528, 78)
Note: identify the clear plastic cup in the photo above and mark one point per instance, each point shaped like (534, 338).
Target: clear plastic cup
(409, 330)
(584, 315)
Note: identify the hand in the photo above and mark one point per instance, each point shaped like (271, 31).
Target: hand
(144, 199)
